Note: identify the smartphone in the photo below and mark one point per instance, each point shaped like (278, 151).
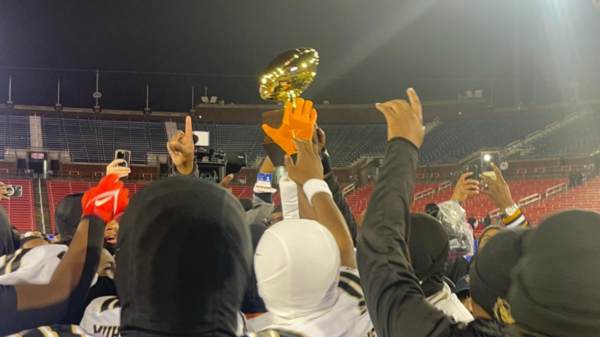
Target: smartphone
(125, 155)
(471, 168)
(15, 191)
(487, 158)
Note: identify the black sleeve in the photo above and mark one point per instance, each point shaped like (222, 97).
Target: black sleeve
(396, 303)
(90, 268)
(342, 204)
(13, 321)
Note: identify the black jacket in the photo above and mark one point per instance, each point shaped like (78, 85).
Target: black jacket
(396, 303)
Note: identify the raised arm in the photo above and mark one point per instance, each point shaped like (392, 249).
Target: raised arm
(396, 303)
(308, 173)
(26, 306)
(334, 187)
(499, 192)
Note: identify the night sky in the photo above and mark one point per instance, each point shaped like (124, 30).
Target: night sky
(370, 50)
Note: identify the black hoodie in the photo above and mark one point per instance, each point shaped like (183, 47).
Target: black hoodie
(184, 255)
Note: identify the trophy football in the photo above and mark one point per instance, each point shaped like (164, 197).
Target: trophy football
(286, 77)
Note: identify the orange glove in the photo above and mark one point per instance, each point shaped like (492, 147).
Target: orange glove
(107, 200)
(297, 123)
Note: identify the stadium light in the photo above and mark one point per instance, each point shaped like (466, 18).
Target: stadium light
(58, 106)
(213, 99)
(147, 110)
(97, 95)
(469, 94)
(9, 103)
(204, 99)
(193, 109)
(478, 93)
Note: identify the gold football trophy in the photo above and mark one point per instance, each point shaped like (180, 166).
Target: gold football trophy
(286, 77)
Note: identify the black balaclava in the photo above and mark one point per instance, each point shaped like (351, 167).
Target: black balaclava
(184, 259)
(555, 288)
(7, 244)
(429, 248)
(492, 267)
(68, 214)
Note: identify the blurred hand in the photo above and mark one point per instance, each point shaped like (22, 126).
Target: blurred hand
(308, 164)
(404, 120)
(297, 123)
(321, 136)
(225, 182)
(107, 200)
(465, 188)
(498, 189)
(113, 168)
(181, 148)
(4, 191)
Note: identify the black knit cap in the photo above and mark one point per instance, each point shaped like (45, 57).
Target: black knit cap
(68, 214)
(492, 267)
(555, 288)
(429, 248)
(184, 255)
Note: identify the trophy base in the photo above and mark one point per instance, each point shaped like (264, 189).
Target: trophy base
(273, 119)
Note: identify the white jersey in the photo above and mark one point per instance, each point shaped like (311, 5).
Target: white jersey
(31, 266)
(103, 316)
(447, 302)
(347, 318)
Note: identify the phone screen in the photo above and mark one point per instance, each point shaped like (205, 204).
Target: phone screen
(125, 155)
(487, 158)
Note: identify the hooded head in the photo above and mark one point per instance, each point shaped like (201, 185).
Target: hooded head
(429, 249)
(184, 255)
(555, 286)
(297, 265)
(491, 270)
(68, 214)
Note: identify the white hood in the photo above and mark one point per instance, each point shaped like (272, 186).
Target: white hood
(297, 265)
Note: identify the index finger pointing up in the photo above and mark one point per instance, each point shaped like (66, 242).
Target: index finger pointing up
(188, 126)
(415, 102)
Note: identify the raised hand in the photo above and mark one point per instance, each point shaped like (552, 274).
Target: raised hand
(297, 123)
(114, 168)
(403, 119)
(4, 191)
(225, 182)
(497, 189)
(181, 148)
(308, 164)
(107, 200)
(465, 188)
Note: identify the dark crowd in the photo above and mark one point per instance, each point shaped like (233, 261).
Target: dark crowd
(189, 259)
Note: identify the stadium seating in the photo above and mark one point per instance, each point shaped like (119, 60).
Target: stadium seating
(14, 132)
(57, 190)
(459, 138)
(586, 196)
(21, 211)
(578, 138)
(94, 140)
(478, 205)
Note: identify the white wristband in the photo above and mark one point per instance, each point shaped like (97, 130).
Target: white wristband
(315, 186)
